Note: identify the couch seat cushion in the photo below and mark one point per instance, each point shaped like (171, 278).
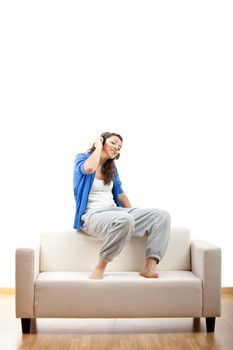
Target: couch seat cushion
(119, 294)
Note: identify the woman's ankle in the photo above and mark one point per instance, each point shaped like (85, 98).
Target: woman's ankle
(151, 263)
(102, 264)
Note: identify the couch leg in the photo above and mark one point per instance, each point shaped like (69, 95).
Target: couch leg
(210, 324)
(26, 323)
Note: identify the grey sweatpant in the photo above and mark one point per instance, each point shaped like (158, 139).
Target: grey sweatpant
(116, 225)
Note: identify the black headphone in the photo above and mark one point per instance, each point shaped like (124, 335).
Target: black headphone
(104, 136)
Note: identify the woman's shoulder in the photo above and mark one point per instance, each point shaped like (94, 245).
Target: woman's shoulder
(81, 156)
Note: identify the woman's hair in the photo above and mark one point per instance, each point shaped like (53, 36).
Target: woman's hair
(108, 168)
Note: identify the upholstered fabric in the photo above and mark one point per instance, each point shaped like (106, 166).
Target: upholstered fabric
(119, 294)
(52, 281)
(72, 251)
(206, 264)
(26, 271)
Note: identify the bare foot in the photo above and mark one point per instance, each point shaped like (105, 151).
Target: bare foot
(149, 274)
(97, 274)
(149, 269)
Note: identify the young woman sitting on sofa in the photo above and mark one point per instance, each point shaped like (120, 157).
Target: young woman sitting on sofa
(104, 210)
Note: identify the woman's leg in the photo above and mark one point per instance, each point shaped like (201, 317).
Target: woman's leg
(116, 227)
(156, 224)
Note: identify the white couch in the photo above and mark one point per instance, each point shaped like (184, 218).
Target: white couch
(52, 280)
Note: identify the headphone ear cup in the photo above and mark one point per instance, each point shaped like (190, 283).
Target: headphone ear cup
(105, 135)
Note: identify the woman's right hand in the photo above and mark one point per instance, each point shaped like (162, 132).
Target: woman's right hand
(98, 142)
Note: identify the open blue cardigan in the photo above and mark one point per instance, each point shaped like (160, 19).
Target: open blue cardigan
(82, 182)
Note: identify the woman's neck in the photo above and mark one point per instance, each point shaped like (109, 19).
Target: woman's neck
(103, 159)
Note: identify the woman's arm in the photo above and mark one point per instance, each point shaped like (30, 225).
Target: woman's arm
(91, 164)
(124, 200)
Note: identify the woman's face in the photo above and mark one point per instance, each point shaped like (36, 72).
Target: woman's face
(112, 146)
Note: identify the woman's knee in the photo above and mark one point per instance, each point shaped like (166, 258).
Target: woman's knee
(163, 215)
(166, 215)
(125, 222)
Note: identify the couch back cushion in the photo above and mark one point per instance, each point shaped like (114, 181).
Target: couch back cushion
(77, 251)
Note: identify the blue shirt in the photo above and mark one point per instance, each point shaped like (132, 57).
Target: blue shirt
(82, 185)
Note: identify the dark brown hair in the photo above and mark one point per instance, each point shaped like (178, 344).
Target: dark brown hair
(108, 168)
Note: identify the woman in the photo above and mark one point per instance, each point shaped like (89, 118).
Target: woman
(104, 210)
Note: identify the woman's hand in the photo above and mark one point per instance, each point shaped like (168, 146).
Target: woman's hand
(98, 142)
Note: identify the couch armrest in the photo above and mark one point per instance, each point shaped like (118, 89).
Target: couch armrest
(26, 271)
(206, 264)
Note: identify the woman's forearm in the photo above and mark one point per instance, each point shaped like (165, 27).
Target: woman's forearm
(91, 164)
(124, 200)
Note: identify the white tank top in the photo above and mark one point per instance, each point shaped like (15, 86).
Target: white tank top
(100, 195)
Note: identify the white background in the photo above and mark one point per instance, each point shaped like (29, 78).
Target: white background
(158, 72)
